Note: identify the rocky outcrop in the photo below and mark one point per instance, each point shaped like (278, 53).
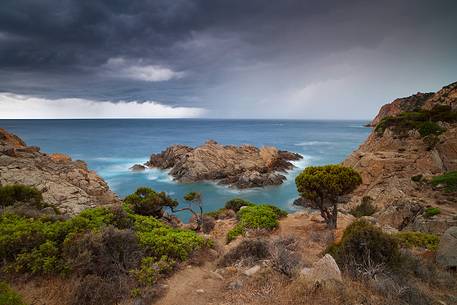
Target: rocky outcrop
(446, 96)
(323, 270)
(241, 166)
(446, 255)
(66, 184)
(387, 163)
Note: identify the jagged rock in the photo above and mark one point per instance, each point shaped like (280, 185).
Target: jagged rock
(241, 166)
(399, 215)
(66, 184)
(446, 255)
(137, 168)
(324, 269)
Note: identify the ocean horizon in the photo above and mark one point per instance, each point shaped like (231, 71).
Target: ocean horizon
(112, 146)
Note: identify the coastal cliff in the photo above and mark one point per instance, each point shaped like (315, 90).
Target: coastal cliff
(65, 184)
(397, 162)
(240, 166)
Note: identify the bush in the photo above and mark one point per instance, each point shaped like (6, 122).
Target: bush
(235, 204)
(418, 239)
(95, 290)
(364, 245)
(366, 208)
(430, 128)
(8, 296)
(145, 201)
(432, 211)
(256, 217)
(322, 185)
(11, 194)
(448, 180)
(151, 269)
(249, 250)
(222, 213)
(284, 256)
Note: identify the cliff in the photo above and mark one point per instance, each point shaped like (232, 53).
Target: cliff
(397, 164)
(66, 184)
(241, 166)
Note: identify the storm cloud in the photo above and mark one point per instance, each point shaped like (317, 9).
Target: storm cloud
(238, 58)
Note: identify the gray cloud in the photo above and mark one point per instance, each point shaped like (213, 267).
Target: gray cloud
(238, 58)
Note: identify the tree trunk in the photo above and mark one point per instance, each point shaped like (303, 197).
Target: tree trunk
(332, 222)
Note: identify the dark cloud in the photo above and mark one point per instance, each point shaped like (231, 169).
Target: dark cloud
(235, 54)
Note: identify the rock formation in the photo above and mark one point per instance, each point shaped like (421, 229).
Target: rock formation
(241, 166)
(68, 185)
(387, 162)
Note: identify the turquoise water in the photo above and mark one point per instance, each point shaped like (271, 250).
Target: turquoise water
(110, 147)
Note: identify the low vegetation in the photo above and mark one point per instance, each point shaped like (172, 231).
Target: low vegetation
(432, 211)
(447, 180)
(424, 121)
(18, 193)
(322, 185)
(256, 217)
(418, 239)
(365, 208)
(8, 296)
(103, 246)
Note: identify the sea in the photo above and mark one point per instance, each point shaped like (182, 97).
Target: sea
(112, 146)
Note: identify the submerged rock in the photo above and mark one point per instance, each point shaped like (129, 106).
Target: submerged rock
(66, 184)
(242, 166)
(137, 168)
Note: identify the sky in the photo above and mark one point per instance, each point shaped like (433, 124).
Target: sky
(288, 59)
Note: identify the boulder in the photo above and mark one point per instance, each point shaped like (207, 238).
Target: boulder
(446, 255)
(137, 168)
(242, 166)
(324, 269)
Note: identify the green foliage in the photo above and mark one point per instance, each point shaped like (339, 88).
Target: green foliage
(11, 194)
(256, 217)
(235, 204)
(8, 296)
(218, 213)
(432, 211)
(418, 239)
(422, 120)
(151, 269)
(322, 185)
(193, 196)
(363, 244)
(146, 201)
(449, 180)
(366, 208)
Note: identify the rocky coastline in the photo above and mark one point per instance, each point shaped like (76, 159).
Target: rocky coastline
(242, 166)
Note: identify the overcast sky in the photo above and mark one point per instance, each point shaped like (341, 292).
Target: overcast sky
(221, 58)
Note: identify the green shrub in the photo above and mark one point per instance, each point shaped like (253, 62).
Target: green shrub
(429, 212)
(11, 194)
(8, 296)
(430, 128)
(151, 269)
(146, 201)
(418, 239)
(366, 208)
(363, 244)
(235, 204)
(449, 180)
(256, 217)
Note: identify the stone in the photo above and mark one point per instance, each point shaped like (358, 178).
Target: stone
(137, 168)
(324, 269)
(242, 166)
(200, 291)
(65, 184)
(216, 275)
(446, 255)
(237, 284)
(252, 271)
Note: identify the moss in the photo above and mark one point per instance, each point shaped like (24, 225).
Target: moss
(418, 239)
(366, 208)
(429, 212)
(256, 217)
(449, 180)
(8, 296)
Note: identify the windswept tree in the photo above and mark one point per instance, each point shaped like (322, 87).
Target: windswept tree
(194, 198)
(322, 185)
(146, 201)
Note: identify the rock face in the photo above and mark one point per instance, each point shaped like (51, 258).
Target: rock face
(387, 163)
(241, 166)
(446, 96)
(66, 184)
(447, 250)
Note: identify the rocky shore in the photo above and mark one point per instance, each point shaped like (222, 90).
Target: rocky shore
(66, 184)
(242, 166)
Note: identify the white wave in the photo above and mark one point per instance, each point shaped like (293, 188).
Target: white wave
(313, 143)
